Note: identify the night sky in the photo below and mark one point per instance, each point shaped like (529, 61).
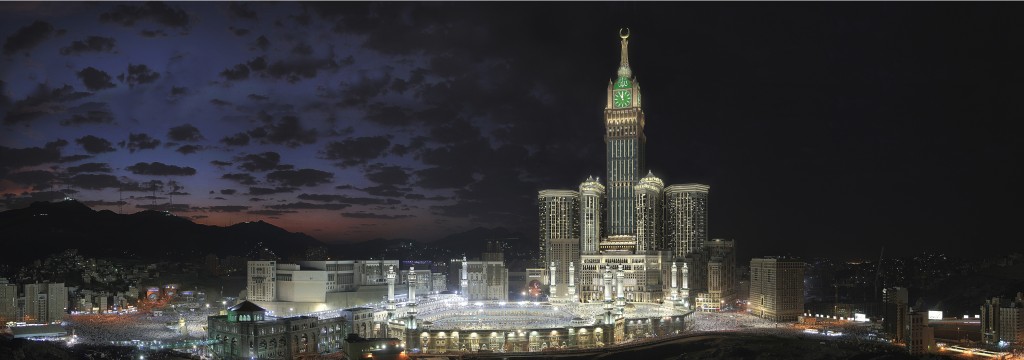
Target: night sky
(822, 128)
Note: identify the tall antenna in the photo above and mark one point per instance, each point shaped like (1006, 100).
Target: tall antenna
(120, 199)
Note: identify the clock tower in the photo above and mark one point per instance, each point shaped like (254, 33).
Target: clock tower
(625, 141)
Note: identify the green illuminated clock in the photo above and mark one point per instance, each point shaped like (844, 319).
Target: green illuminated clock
(622, 98)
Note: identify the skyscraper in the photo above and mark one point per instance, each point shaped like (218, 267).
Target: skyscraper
(559, 233)
(8, 301)
(591, 209)
(686, 218)
(648, 214)
(776, 288)
(625, 143)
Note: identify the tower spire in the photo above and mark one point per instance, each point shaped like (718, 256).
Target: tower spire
(624, 70)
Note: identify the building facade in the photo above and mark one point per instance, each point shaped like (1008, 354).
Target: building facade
(45, 302)
(1003, 321)
(631, 221)
(776, 288)
(246, 332)
(895, 312)
(686, 218)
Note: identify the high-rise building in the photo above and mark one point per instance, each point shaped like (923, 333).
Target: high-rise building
(647, 194)
(625, 144)
(8, 301)
(1003, 321)
(776, 288)
(262, 281)
(920, 337)
(895, 312)
(45, 302)
(591, 211)
(686, 218)
(559, 233)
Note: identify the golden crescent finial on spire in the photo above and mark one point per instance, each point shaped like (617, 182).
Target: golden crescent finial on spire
(624, 33)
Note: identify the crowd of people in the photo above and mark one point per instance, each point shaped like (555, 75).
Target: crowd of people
(145, 329)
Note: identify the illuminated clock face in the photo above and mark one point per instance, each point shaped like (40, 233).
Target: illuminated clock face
(622, 98)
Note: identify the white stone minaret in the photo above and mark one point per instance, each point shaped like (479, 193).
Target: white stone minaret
(686, 287)
(412, 284)
(552, 286)
(572, 282)
(411, 279)
(464, 283)
(607, 277)
(620, 294)
(675, 290)
(390, 306)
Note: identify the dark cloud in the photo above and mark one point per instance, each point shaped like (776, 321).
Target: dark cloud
(270, 212)
(219, 163)
(141, 142)
(189, 149)
(257, 97)
(239, 139)
(94, 145)
(156, 12)
(89, 168)
(302, 49)
(185, 133)
(244, 179)
(241, 10)
(239, 31)
(369, 85)
(259, 162)
(95, 79)
(178, 90)
(286, 131)
(42, 101)
(301, 177)
(356, 151)
(308, 206)
(347, 199)
(90, 44)
(257, 191)
(390, 115)
(141, 74)
(291, 70)
(238, 72)
(37, 179)
(99, 116)
(386, 190)
(366, 215)
(440, 178)
(152, 33)
(262, 43)
(227, 208)
(160, 169)
(73, 158)
(424, 197)
(227, 191)
(28, 37)
(14, 158)
(391, 175)
(95, 181)
(220, 102)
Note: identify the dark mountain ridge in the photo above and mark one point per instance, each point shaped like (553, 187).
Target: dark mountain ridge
(45, 228)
